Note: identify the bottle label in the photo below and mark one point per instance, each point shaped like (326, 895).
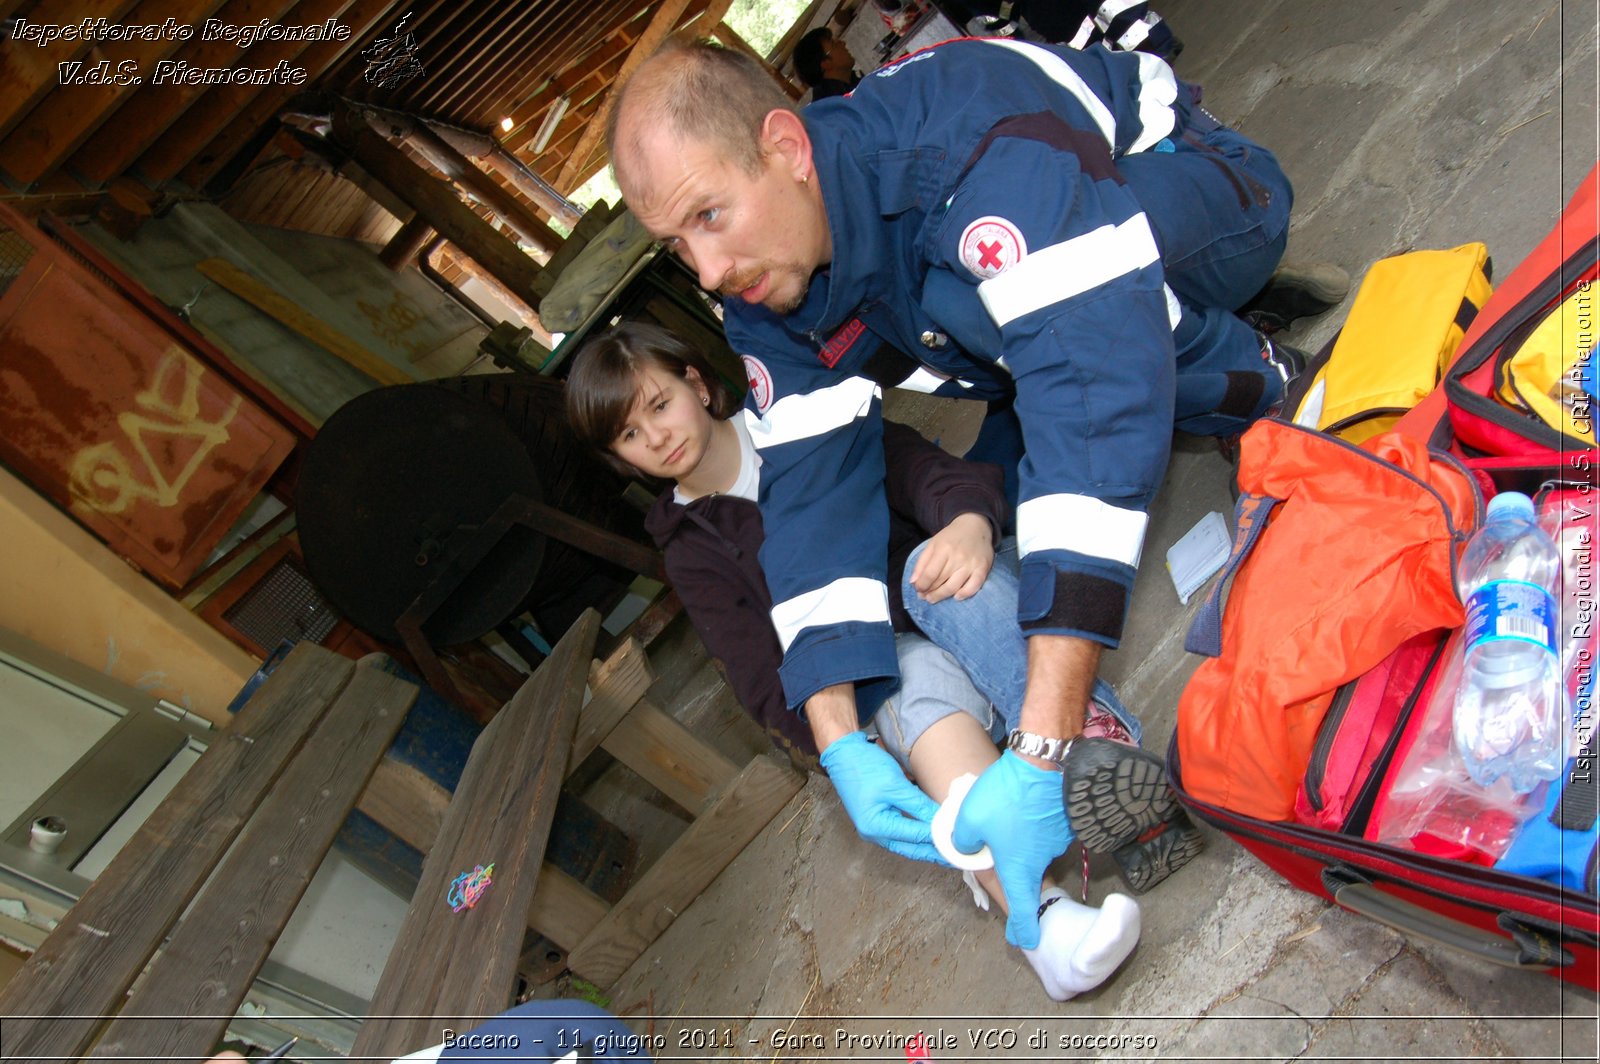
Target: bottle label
(1511, 609)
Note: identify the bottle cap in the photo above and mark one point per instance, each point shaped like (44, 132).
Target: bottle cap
(1511, 503)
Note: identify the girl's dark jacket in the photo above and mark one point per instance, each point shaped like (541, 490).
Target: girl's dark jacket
(711, 548)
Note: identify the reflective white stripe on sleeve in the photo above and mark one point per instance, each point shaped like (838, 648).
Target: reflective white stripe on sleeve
(850, 598)
(928, 381)
(1069, 268)
(1084, 35)
(923, 380)
(1083, 524)
(1174, 308)
(799, 417)
(1158, 91)
(1057, 70)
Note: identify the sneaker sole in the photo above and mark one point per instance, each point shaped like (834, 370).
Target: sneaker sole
(1147, 861)
(1115, 793)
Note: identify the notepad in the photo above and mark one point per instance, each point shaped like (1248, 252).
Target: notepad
(1196, 557)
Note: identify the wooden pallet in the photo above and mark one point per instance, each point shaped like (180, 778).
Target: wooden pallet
(281, 779)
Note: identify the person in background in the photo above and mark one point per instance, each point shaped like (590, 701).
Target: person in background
(825, 64)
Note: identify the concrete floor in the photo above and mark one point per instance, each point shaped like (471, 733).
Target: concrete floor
(1403, 124)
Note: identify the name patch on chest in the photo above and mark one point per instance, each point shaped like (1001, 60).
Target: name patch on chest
(991, 245)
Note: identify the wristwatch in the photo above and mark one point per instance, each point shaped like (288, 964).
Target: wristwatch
(1035, 745)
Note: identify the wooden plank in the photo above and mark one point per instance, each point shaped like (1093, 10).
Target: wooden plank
(87, 964)
(182, 1007)
(482, 187)
(449, 968)
(564, 910)
(153, 108)
(706, 24)
(267, 299)
(66, 117)
(412, 805)
(617, 683)
(407, 801)
(670, 757)
(718, 835)
(661, 26)
(29, 70)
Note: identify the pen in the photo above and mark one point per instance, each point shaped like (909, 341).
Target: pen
(278, 1054)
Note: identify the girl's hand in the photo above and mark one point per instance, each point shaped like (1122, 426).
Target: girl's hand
(956, 560)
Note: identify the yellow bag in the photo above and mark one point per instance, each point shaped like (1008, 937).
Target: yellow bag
(1403, 329)
(1554, 360)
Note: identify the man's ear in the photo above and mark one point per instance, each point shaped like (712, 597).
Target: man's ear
(784, 136)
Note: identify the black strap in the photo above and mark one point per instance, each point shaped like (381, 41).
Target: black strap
(1579, 805)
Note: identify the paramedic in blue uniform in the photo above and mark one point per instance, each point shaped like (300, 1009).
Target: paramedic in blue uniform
(1056, 232)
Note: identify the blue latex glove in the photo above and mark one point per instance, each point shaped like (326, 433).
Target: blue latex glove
(875, 793)
(1019, 811)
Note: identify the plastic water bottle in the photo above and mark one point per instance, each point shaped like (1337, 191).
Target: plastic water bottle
(1511, 716)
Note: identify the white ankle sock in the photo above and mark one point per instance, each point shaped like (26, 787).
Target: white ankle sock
(1079, 947)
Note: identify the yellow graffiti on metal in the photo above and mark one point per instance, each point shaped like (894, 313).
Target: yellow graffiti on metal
(104, 478)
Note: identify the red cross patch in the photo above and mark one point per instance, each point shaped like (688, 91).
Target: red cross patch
(991, 245)
(760, 382)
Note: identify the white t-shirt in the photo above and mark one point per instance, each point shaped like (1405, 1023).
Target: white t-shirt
(747, 485)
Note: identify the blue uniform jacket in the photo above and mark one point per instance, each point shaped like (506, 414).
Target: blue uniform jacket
(980, 224)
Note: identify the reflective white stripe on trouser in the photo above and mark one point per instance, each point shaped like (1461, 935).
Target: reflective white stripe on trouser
(1108, 11)
(1057, 70)
(1069, 268)
(1135, 34)
(802, 416)
(1174, 308)
(1083, 524)
(850, 598)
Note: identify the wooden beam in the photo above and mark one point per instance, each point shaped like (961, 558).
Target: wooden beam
(183, 1005)
(730, 37)
(29, 70)
(524, 181)
(84, 968)
(661, 27)
(286, 312)
(438, 204)
(452, 968)
(710, 19)
(464, 90)
(153, 108)
(725, 827)
(482, 187)
(669, 757)
(402, 249)
(65, 118)
(219, 109)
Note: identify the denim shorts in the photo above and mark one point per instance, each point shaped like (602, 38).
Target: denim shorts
(932, 686)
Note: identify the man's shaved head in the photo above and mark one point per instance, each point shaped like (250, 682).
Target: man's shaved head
(698, 90)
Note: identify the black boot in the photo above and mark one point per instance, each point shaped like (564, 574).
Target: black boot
(1296, 292)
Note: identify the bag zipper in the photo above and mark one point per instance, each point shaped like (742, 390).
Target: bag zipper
(1326, 735)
